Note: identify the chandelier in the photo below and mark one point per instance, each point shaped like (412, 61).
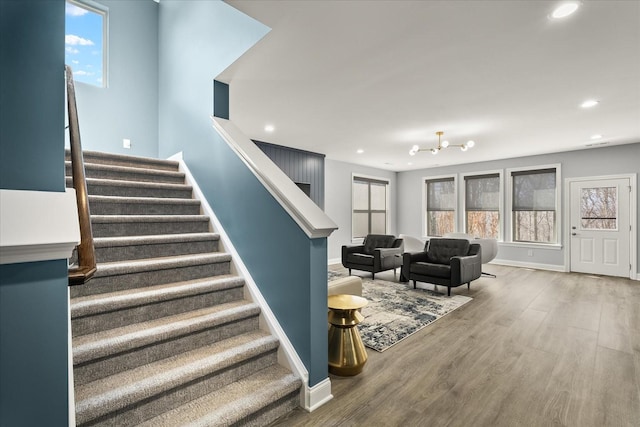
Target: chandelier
(441, 145)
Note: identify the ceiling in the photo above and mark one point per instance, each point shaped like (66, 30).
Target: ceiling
(337, 76)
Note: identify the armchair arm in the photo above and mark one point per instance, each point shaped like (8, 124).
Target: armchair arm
(464, 269)
(351, 249)
(407, 259)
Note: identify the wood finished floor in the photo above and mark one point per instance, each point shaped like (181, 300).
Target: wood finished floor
(533, 348)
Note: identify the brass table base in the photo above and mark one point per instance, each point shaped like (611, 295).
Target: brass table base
(347, 355)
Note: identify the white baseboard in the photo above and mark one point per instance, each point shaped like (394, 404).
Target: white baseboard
(334, 261)
(310, 397)
(534, 265)
(318, 395)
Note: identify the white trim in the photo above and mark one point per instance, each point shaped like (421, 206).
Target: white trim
(317, 395)
(509, 204)
(537, 266)
(463, 195)
(37, 225)
(311, 219)
(423, 215)
(532, 245)
(287, 355)
(334, 261)
(633, 218)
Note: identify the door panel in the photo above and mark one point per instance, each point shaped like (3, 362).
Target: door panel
(600, 237)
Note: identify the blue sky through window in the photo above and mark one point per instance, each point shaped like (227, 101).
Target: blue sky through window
(83, 41)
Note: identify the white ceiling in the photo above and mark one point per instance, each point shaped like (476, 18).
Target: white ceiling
(337, 76)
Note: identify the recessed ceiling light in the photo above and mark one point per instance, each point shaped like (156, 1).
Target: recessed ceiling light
(565, 9)
(589, 103)
(360, 151)
(269, 128)
(596, 136)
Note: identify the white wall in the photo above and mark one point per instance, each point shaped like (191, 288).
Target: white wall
(337, 203)
(622, 159)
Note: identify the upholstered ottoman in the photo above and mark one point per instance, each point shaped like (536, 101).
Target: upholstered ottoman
(350, 285)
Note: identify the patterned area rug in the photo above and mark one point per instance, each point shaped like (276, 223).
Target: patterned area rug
(396, 310)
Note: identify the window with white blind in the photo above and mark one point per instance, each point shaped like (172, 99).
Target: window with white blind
(534, 206)
(482, 197)
(440, 195)
(369, 207)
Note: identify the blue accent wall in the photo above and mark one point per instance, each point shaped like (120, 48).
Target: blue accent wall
(33, 344)
(33, 296)
(32, 95)
(198, 40)
(220, 100)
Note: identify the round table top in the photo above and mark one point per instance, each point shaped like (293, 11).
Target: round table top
(346, 302)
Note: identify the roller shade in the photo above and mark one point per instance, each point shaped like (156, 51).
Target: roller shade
(534, 190)
(482, 192)
(441, 194)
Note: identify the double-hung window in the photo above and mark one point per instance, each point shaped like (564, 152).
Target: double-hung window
(440, 194)
(534, 205)
(369, 207)
(482, 205)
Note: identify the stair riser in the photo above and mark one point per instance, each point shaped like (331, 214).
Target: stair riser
(137, 412)
(130, 162)
(91, 172)
(100, 368)
(115, 319)
(272, 412)
(127, 191)
(122, 253)
(110, 208)
(116, 283)
(118, 229)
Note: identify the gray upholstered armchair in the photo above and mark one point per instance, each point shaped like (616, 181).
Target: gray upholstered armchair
(378, 252)
(447, 262)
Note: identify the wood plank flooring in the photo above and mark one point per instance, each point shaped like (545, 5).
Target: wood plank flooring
(533, 348)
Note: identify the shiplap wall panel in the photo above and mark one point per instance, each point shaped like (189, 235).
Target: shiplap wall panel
(299, 165)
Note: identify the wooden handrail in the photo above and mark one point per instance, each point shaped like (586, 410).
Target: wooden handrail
(86, 266)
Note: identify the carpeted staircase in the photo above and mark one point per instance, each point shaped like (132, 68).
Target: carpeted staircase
(162, 334)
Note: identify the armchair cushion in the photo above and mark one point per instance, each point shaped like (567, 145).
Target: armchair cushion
(440, 251)
(429, 269)
(357, 258)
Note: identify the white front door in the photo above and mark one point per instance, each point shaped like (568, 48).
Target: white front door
(600, 227)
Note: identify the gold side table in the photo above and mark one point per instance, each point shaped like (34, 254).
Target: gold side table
(347, 354)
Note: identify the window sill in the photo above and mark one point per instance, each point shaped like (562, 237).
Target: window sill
(550, 246)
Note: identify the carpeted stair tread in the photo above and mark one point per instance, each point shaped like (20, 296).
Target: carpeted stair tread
(128, 170)
(125, 159)
(234, 403)
(164, 263)
(109, 242)
(100, 303)
(126, 388)
(144, 200)
(137, 188)
(105, 343)
(107, 219)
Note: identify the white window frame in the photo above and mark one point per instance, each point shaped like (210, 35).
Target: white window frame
(509, 207)
(463, 191)
(424, 216)
(95, 7)
(354, 176)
